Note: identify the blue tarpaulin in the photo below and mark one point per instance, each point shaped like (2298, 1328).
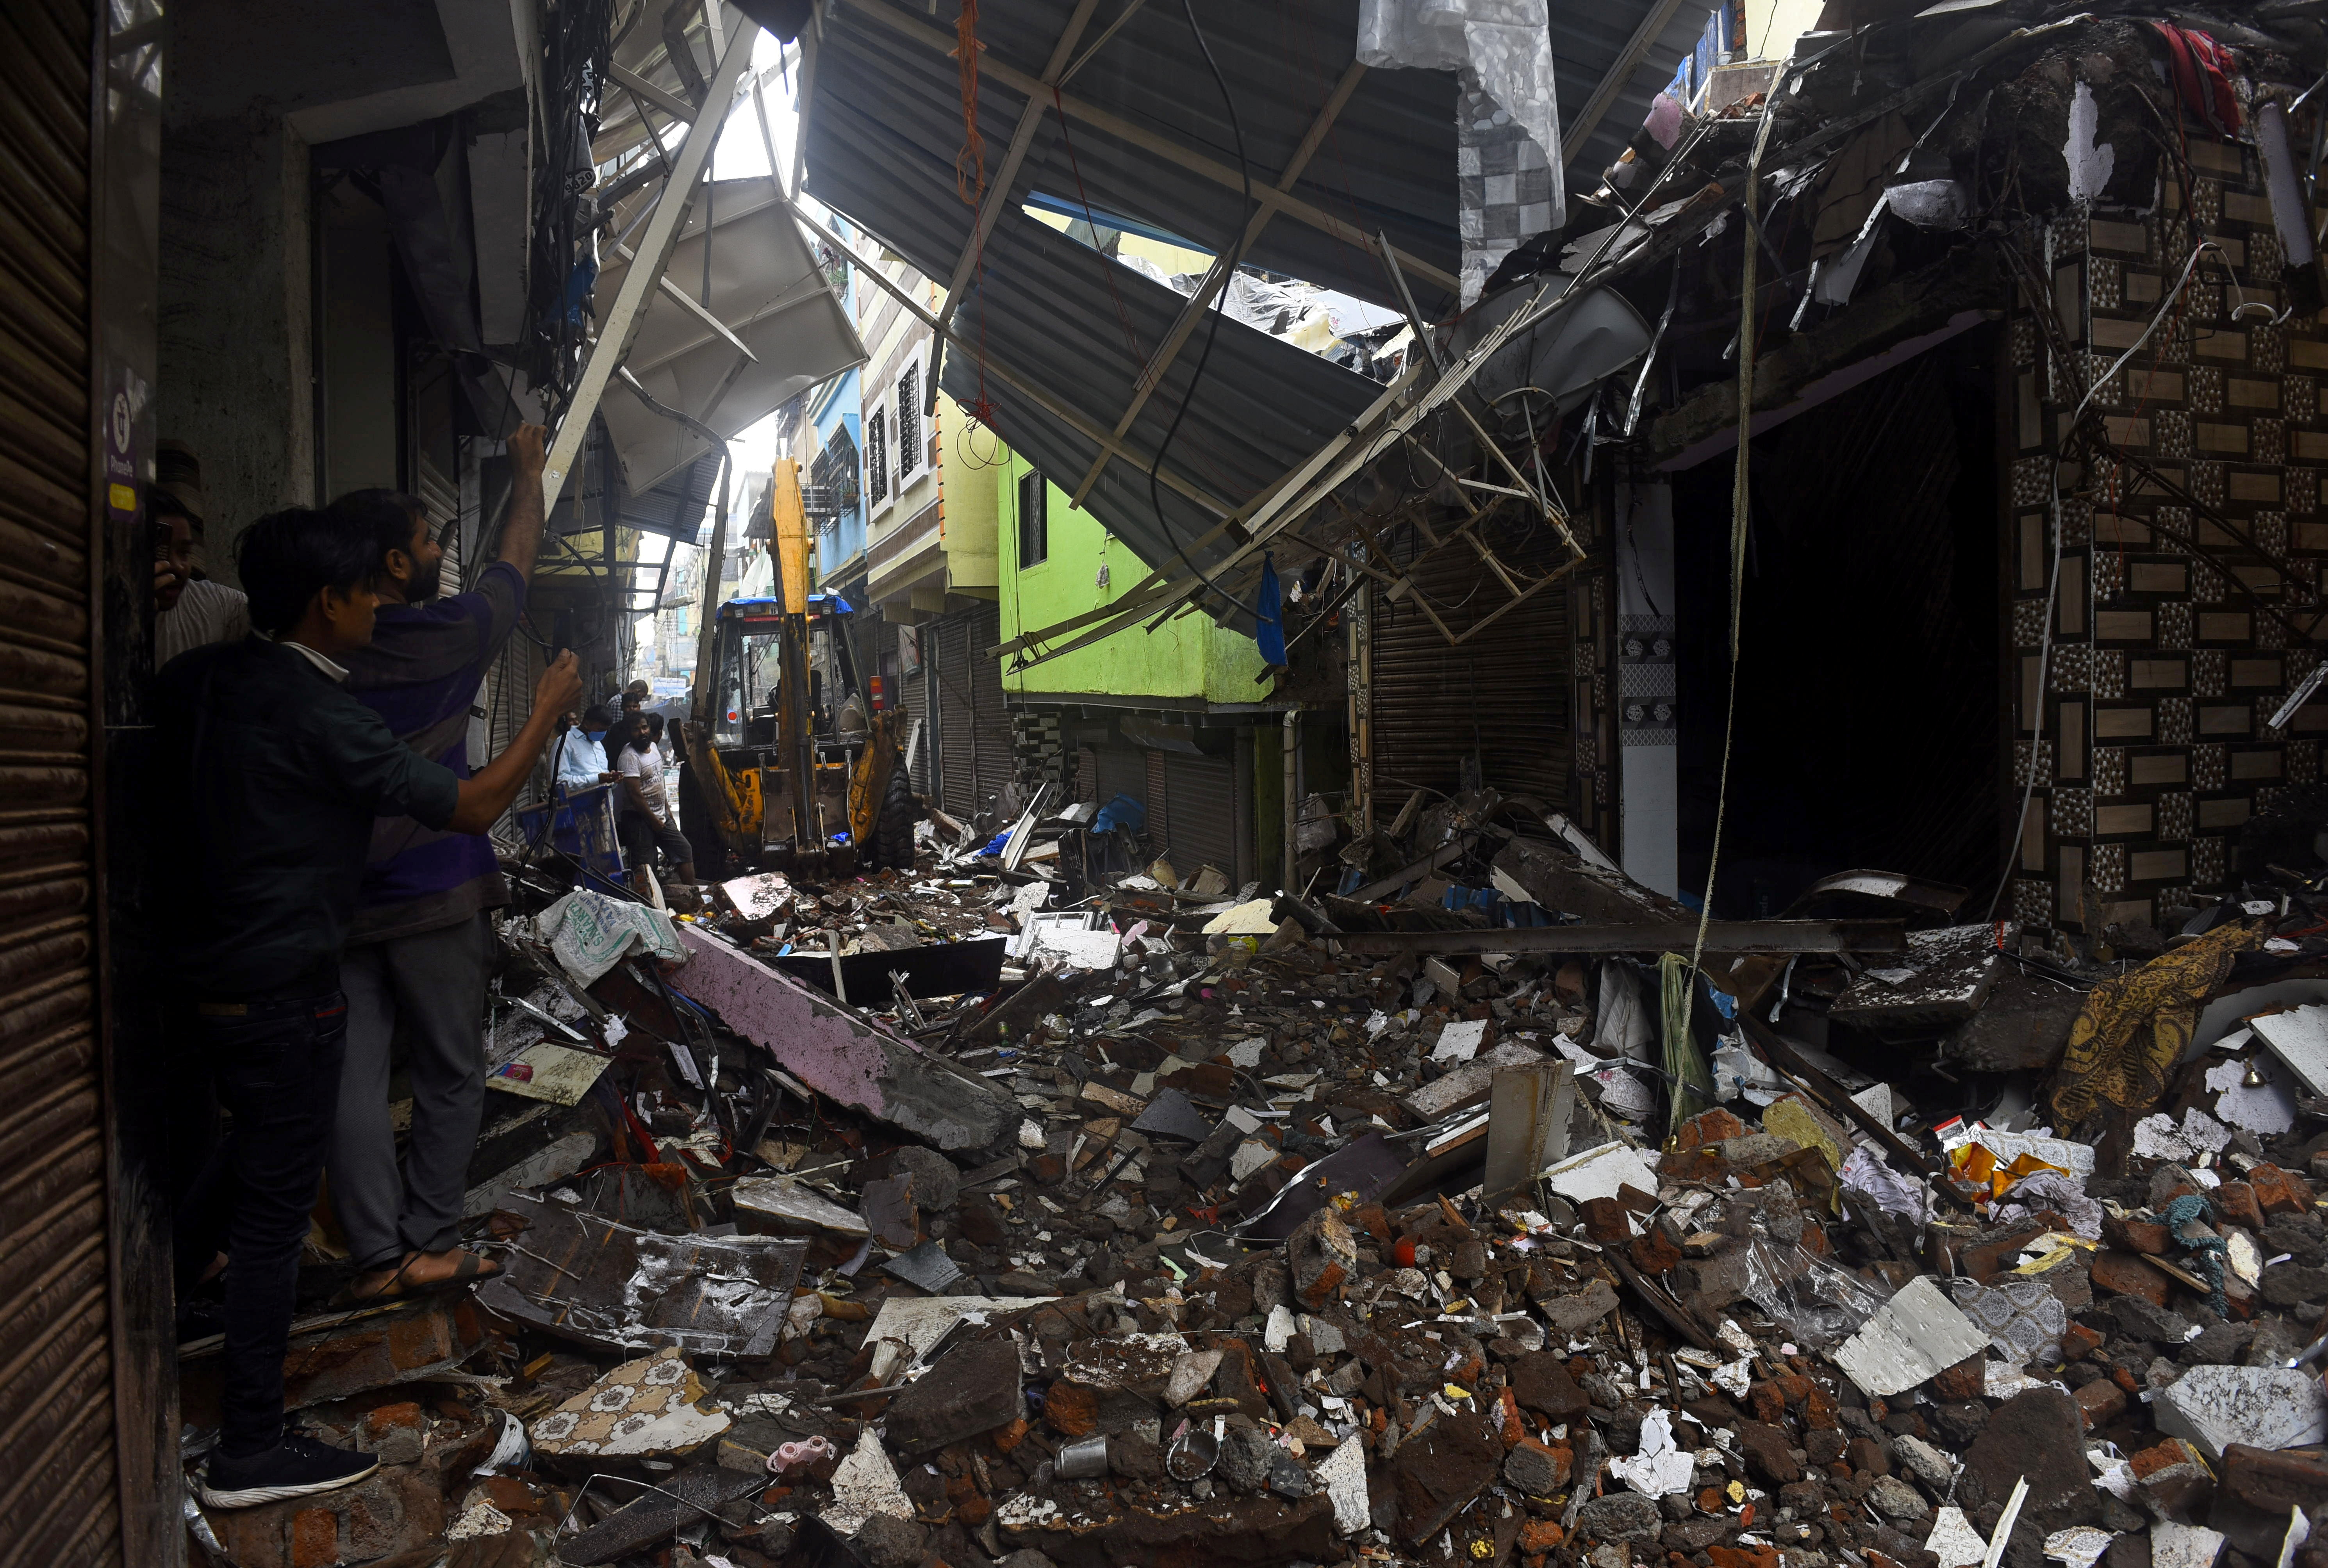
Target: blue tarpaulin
(1121, 812)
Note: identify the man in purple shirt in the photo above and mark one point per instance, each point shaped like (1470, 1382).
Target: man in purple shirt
(421, 946)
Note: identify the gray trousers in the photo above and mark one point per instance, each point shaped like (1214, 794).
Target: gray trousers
(434, 984)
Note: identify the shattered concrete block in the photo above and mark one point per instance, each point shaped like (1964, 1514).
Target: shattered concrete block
(2172, 1475)
(1598, 1172)
(1540, 1469)
(1620, 1517)
(2173, 1546)
(2258, 1489)
(971, 1389)
(1573, 1313)
(2038, 1434)
(645, 1408)
(2264, 1407)
(779, 1205)
(1437, 1474)
(1915, 1335)
(865, 1484)
(1324, 1257)
(1343, 1476)
(1190, 1373)
(1540, 1382)
(1470, 1084)
(833, 1052)
(2022, 1026)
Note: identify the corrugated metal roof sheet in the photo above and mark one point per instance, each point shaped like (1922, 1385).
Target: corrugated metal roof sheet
(677, 506)
(887, 105)
(1046, 312)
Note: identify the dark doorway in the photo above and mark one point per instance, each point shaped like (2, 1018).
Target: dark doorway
(1868, 729)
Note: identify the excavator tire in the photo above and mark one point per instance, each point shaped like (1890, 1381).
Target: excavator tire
(893, 830)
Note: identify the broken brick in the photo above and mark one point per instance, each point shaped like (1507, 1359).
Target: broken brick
(1966, 1380)
(1605, 1221)
(2124, 1275)
(2236, 1202)
(2278, 1191)
(2101, 1401)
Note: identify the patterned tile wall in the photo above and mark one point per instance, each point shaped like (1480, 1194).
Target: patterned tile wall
(2160, 679)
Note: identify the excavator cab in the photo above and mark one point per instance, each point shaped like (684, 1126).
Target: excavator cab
(796, 774)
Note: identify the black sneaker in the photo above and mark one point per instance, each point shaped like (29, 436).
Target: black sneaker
(296, 1467)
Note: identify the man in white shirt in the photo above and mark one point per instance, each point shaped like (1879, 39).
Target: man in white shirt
(581, 761)
(646, 826)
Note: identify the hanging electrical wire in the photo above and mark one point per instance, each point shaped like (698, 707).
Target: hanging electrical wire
(1231, 259)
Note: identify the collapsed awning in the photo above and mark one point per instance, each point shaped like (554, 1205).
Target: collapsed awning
(1145, 132)
(768, 294)
(678, 506)
(1045, 313)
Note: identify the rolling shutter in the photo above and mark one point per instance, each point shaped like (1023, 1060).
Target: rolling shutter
(997, 757)
(59, 1500)
(1201, 795)
(957, 719)
(913, 689)
(1118, 770)
(1502, 695)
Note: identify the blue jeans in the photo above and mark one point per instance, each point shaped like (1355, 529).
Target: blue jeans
(276, 1065)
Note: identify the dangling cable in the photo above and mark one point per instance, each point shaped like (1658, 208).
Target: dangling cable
(1220, 308)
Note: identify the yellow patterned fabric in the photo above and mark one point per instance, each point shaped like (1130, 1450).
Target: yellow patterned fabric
(2134, 1028)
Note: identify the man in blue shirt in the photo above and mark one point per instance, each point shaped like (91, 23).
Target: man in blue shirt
(278, 775)
(421, 948)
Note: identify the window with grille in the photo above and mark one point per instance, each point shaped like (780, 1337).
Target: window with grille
(909, 422)
(877, 457)
(1034, 521)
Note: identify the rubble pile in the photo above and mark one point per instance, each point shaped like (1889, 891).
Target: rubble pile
(978, 1215)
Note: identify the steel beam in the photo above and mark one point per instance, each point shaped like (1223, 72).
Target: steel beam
(621, 325)
(1872, 936)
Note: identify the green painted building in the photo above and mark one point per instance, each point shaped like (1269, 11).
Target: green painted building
(1181, 718)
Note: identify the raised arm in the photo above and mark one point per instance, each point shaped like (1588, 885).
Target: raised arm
(487, 796)
(528, 450)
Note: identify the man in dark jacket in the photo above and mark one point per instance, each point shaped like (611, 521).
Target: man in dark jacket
(278, 775)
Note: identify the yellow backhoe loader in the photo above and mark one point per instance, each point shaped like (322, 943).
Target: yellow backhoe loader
(795, 777)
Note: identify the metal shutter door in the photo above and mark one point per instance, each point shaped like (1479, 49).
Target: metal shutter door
(59, 1501)
(1201, 793)
(914, 690)
(1159, 803)
(1118, 770)
(998, 756)
(957, 719)
(1504, 693)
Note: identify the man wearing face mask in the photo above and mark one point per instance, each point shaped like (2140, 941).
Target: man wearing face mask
(419, 950)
